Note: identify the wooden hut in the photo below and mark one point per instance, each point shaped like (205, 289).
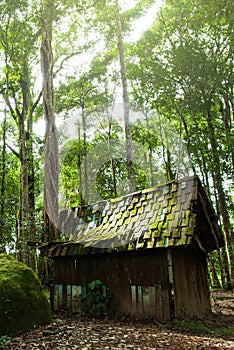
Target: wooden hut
(148, 247)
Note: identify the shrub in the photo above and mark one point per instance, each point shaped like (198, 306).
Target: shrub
(97, 299)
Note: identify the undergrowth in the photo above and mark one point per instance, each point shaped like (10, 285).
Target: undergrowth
(198, 327)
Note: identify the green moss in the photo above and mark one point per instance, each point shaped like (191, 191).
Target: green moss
(194, 326)
(23, 304)
(198, 327)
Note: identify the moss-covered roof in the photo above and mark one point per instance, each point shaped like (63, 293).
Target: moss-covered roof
(173, 214)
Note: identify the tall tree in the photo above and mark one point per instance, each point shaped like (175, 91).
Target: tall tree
(3, 160)
(85, 97)
(114, 33)
(20, 48)
(51, 167)
(198, 95)
(128, 134)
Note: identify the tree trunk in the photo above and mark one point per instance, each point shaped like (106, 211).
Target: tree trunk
(3, 172)
(222, 272)
(112, 164)
(222, 203)
(225, 110)
(23, 226)
(79, 169)
(215, 279)
(24, 233)
(31, 180)
(86, 180)
(150, 152)
(128, 134)
(166, 152)
(51, 168)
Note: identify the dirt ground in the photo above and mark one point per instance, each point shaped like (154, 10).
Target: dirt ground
(74, 332)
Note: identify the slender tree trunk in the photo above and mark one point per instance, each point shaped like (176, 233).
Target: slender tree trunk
(51, 168)
(23, 227)
(150, 152)
(24, 232)
(20, 117)
(225, 110)
(222, 203)
(79, 169)
(86, 180)
(215, 279)
(169, 172)
(222, 254)
(3, 172)
(221, 266)
(128, 134)
(31, 180)
(112, 164)
(166, 153)
(5, 43)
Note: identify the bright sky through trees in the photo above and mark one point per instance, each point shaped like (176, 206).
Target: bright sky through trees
(138, 28)
(143, 23)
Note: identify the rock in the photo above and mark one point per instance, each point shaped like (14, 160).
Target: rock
(23, 304)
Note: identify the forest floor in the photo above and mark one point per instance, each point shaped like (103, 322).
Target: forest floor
(74, 332)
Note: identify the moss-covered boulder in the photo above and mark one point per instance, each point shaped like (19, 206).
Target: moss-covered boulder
(23, 304)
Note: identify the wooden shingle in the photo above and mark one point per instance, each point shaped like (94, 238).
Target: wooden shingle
(162, 216)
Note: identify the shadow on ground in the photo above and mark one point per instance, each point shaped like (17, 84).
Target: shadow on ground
(74, 332)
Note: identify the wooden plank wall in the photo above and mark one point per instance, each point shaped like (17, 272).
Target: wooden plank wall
(191, 290)
(150, 301)
(138, 281)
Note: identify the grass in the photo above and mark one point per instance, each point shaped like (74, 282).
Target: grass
(4, 340)
(191, 326)
(198, 327)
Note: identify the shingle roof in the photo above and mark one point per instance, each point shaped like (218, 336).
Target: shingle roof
(163, 216)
